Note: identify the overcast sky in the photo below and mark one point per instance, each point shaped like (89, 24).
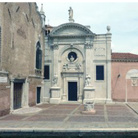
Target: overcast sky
(121, 16)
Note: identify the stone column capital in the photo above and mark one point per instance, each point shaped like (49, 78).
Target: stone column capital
(55, 46)
(88, 45)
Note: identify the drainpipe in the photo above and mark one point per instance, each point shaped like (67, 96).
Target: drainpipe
(126, 92)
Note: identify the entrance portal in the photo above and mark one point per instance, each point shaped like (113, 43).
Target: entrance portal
(72, 91)
(38, 94)
(17, 95)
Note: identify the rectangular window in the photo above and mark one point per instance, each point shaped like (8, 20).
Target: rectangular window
(99, 72)
(46, 72)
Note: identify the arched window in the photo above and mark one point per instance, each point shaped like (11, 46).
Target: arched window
(38, 56)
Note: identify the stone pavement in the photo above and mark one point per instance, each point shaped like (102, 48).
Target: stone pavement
(68, 117)
(133, 106)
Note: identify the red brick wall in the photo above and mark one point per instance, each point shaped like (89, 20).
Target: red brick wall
(119, 84)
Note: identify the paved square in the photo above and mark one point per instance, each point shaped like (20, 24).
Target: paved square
(70, 117)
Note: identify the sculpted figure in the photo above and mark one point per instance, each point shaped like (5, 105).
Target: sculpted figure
(70, 13)
(55, 79)
(87, 80)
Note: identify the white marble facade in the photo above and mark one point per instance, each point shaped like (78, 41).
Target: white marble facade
(72, 52)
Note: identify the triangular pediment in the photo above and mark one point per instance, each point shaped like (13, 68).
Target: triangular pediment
(71, 29)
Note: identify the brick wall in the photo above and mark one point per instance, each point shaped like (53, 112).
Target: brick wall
(21, 29)
(119, 83)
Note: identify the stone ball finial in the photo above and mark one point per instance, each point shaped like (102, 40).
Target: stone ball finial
(108, 28)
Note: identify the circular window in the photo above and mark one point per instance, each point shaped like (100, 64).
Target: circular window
(72, 56)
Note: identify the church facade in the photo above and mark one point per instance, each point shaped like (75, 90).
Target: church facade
(77, 64)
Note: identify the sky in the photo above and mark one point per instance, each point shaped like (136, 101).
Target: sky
(122, 17)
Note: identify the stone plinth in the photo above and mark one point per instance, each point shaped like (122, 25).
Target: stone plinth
(89, 108)
(89, 94)
(55, 95)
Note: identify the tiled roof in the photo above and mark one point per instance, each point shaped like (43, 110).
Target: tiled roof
(48, 26)
(124, 56)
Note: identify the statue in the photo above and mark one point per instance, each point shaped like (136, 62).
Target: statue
(87, 80)
(71, 14)
(55, 79)
(71, 58)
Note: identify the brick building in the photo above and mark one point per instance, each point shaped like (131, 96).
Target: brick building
(21, 55)
(124, 77)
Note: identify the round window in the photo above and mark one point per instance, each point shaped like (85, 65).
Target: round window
(72, 56)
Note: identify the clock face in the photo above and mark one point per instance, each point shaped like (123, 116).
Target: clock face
(72, 56)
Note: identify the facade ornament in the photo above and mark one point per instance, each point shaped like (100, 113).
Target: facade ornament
(87, 80)
(134, 82)
(71, 15)
(65, 67)
(88, 45)
(55, 80)
(99, 51)
(55, 47)
(108, 29)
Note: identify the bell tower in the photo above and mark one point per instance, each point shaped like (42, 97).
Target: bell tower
(42, 13)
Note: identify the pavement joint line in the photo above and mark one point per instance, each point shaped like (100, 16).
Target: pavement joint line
(69, 115)
(35, 113)
(131, 108)
(105, 113)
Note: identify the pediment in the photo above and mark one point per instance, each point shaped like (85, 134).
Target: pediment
(70, 29)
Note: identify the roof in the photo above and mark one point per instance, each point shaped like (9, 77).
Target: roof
(124, 57)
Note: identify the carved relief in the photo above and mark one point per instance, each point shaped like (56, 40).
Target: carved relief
(55, 80)
(88, 45)
(72, 66)
(134, 82)
(99, 51)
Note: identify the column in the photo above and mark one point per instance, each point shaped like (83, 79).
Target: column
(64, 94)
(88, 47)
(108, 67)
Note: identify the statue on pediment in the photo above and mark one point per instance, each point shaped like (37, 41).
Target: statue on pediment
(71, 14)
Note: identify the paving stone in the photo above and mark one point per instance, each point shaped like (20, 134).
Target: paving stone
(44, 105)
(119, 113)
(63, 107)
(86, 119)
(122, 119)
(47, 118)
(56, 112)
(13, 117)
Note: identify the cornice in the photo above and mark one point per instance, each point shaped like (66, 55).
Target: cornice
(72, 36)
(124, 60)
(68, 26)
